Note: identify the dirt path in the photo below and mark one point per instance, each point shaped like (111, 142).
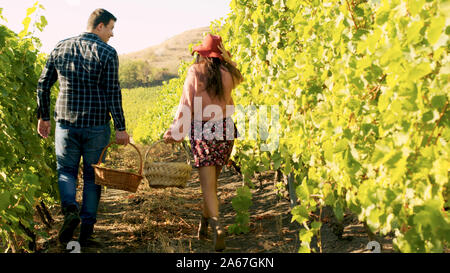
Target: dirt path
(166, 220)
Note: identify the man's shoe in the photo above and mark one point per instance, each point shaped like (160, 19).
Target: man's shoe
(71, 221)
(93, 242)
(87, 238)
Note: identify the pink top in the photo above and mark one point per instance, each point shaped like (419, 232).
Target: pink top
(196, 101)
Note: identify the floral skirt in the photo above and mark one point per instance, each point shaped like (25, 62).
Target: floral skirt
(212, 141)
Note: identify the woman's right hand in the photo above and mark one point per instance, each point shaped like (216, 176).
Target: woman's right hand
(226, 55)
(168, 137)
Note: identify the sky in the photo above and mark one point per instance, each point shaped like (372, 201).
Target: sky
(140, 23)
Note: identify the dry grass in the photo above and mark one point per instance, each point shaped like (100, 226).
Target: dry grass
(166, 220)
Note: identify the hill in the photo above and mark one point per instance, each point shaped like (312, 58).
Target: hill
(164, 59)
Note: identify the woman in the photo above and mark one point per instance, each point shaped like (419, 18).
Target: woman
(205, 108)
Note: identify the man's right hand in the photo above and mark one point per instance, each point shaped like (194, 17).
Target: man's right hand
(122, 137)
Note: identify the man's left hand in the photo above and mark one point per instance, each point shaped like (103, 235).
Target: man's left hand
(44, 128)
(122, 138)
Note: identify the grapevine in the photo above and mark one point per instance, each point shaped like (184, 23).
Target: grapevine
(368, 130)
(27, 163)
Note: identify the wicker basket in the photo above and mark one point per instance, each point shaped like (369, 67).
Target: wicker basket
(167, 174)
(115, 179)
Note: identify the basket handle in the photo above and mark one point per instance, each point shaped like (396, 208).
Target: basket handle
(188, 160)
(104, 150)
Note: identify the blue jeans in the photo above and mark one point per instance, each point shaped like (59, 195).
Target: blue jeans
(70, 145)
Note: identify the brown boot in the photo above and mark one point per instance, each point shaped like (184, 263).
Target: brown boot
(219, 234)
(203, 228)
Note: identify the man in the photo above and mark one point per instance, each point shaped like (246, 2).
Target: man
(87, 69)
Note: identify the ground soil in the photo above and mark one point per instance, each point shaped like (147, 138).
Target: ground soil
(165, 220)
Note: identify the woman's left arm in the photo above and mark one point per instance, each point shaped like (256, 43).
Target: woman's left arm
(183, 115)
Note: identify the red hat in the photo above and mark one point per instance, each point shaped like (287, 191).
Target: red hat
(209, 47)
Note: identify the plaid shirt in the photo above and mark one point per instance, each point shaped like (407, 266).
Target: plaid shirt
(88, 72)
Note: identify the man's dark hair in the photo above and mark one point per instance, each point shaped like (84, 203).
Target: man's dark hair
(100, 16)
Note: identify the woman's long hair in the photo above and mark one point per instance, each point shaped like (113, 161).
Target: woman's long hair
(213, 75)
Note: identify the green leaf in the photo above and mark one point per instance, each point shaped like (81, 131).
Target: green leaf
(438, 102)
(373, 219)
(427, 116)
(415, 6)
(435, 29)
(339, 211)
(383, 101)
(306, 235)
(316, 225)
(12, 217)
(413, 33)
(304, 248)
(21, 208)
(391, 163)
(382, 17)
(4, 200)
(31, 11)
(359, 11)
(299, 214)
(441, 174)
(26, 23)
(277, 160)
(419, 71)
(328, 150)
(341, 146)
(302, 191)
(292, 4)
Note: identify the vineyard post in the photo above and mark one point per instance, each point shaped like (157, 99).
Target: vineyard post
(291, 187)
(41, 215)
(47, 213)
